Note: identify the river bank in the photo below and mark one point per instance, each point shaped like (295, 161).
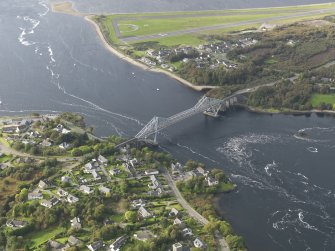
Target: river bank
(286, 112)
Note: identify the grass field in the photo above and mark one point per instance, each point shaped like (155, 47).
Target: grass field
(160, 23)
(325, 98)
(41, 237)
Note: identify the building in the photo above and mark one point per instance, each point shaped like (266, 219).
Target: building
(65, 179)
(75, 223)
(138, 203)
(16, 224)
(212, 181)
(95, 175)
(44, 184)
(143, 212)
(64, 145)
(118, 243)
(199, 243)
(177, 247)
(173, 212)
(154, 181)
(178, 221)
(50, 203)
(202, 171)
(102, 160)
(96, 245)
(115, 171)
(106, 191)
(61, 192)
(187, 232)
(73, 241)
(35, 195)
(72, 199)
(85, 189)
(151, 172)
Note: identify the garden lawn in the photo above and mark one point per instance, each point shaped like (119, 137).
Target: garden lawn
(326, 98)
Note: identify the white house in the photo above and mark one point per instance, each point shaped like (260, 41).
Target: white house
(198, 243)
(85, 189)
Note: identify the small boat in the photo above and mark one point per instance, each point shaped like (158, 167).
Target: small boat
(0, 102)
(157, 89)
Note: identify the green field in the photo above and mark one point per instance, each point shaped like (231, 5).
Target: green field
(160, 23)
(43, 236)
(325, 98)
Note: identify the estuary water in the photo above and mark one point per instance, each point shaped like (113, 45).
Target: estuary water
(285, 199)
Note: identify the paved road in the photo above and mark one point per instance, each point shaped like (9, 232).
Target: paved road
(192, 213)
(223, 26)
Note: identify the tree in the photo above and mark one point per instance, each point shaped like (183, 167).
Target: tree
(131, 216)
(23, 195)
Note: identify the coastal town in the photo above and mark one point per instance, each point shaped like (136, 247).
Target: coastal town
(101, 198)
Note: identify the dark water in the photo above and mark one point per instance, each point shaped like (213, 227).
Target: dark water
(127, 6)
(285, 198)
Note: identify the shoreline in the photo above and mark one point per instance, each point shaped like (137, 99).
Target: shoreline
(135, 62)
(288, 112)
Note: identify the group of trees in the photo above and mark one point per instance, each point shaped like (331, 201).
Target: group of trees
(283, 95)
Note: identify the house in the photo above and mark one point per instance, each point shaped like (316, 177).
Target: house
(9, 129)
(95, 175)
(202, 171)
(65, 131)
(73, 241)
(144, 235)
(178, 221)
(177, 247)
(35, 195)
(118, 243)
(104, 190)
(115, 171)
(173, 212)
(65, 179)
(61, 192)
(75, 223)
(50, 203)
(212, 181)
(16, 224)
(138, 203)
(72, 199)
(133, 162)
(151, 172)
(85, 189)
(96, 245)
(102, 160)
(156, 192)
(143, 212)
(64, 145)
(59, 128)
(46, 143)
(199, 243)
(55, 246)
(187, 232)
(176, 168)
(154, 181)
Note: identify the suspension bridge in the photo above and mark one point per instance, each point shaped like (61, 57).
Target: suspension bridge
(208, 106)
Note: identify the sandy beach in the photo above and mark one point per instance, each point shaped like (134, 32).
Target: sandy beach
(66, 8)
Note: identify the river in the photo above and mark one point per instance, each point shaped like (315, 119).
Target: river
(285, 198)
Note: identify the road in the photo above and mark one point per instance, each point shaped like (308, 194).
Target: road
(220, 26)
(192, 213)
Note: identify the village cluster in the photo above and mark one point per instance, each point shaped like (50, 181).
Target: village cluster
(101, 175)
(210, 55)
